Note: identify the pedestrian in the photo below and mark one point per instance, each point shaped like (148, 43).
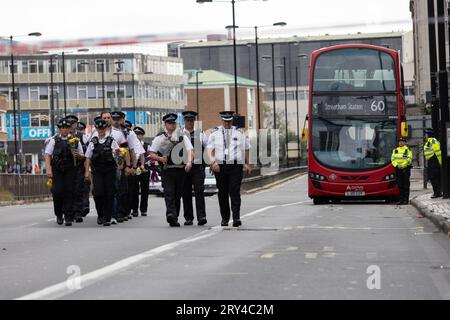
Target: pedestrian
(37, 169)
(228, 150)
(79, 179)
(196, 177)
(402, 162)
(173, 150)
(99, 158)
(29, 168)
(433, 155)
(85, 186)
(60, 159)
(141, 181)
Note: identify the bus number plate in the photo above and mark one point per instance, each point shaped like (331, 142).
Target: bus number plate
(355, 194)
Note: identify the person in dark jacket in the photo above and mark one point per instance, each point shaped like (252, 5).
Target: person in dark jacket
(100, 159)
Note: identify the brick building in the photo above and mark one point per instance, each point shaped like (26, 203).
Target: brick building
(216, 93)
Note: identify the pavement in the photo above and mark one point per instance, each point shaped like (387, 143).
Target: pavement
(287, 249)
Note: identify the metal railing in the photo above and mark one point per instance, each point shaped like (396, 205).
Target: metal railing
(25, 186)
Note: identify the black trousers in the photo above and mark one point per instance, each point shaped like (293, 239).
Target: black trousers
(104, 190)
(229, 181)
(122, 196)
(434, 174)
(403, 182)
(63, 189)
(141, 183)
(173, 182)
(194, 178)
(79, 193)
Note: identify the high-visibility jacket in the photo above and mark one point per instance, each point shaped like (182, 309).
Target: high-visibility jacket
(433, 148)
(401, 157)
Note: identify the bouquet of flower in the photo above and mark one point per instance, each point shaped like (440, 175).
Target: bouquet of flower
(153, 167)
(50, 182)
(74, 147)
(119, 155)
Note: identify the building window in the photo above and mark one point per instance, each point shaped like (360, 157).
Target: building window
(33, 66)
(92, 92)
(25, 67)
(81, 66)
(82, 92)
(99, 92)
(34, 93)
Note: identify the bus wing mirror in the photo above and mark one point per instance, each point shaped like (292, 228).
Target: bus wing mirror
(404, 130)
(305, 135)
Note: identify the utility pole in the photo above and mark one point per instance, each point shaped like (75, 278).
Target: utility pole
(443, 98)
(433, 66)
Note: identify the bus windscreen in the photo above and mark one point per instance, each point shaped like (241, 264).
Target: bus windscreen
(353, 70)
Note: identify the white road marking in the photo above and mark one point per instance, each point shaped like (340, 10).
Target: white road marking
(329, 255)
(354, 228)
(268, 256)
(328, 249)
(30, 225)
(61, 289)
(292, 249)
(311, 255)
(295, 204)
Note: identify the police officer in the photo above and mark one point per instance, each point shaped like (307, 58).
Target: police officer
(99, 158)
(402, 162)
(226, 148)
(141, 181)
(196, 177)
(433, 154)
(60, 160)
(174, 151)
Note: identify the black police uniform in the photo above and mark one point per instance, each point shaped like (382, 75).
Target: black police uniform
(172, 175)
(64, 174)
(104, 175)
(195, 178)
(83, 186)
(141, 182)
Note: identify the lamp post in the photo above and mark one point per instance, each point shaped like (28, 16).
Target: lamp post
(297, 78)
(236, 97)
(274, 96)
(276, 24)
(283, 66)
(103, 85)
(13, 85)
(52, 99)
(197, 93)
(118, 73)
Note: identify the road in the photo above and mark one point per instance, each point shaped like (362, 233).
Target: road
(287, 249)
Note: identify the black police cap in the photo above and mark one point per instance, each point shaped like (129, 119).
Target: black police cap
(128, 124)
(189, 115)
(402, 139)
(139, 130)
(171, 117)
(117, 114)
(72, 118)
(97, 118)
(64, 123)
(101, 124)
(227, 115)
(81, 125)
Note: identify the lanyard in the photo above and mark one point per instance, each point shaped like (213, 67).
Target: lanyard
(226, 148)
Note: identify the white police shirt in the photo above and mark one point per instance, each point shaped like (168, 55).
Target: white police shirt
(164, 143)
(134, 143)
(50, 147)
(90, 148)
(203, 137)
(228, 144)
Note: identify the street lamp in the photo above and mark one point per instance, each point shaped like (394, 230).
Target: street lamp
(297, 78)
(276, 24)
(236, 97)
(118, 73)
(197, 83)
(274, 96)
(11, 37)
(63, 62)
(283, 66)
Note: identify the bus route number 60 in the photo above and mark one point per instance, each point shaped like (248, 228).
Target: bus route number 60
(378, 106)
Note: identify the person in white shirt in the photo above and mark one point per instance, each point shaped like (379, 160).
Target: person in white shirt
(195, 178)
(61, 159)
(228, 151)
(174, 151)
(100, 159)
(141, 181)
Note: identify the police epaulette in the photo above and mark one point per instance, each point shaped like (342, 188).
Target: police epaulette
(214, 129)
(162, 133)
(94, 140)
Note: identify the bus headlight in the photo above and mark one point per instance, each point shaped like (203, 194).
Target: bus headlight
(317, 177)
(390, 177)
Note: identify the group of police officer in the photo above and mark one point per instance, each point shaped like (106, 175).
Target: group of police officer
(117, 161)
(402, 162)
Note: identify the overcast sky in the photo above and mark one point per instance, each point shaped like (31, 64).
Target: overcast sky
(64, 19)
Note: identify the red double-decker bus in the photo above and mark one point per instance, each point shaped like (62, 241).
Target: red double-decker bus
(356, 115)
